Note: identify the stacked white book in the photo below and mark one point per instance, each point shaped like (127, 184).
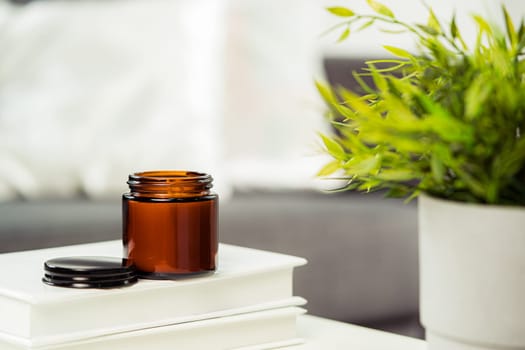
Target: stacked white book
(247, 304)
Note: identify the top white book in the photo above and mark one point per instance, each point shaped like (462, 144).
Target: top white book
(246, 280)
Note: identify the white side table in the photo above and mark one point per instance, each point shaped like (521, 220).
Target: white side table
(320, 333)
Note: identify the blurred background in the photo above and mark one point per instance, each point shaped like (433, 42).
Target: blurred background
(93, 90)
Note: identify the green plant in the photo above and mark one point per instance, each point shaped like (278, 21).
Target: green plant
(446, 120)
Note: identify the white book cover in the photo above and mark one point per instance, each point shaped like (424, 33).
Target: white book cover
(246, 280)
(268, 329)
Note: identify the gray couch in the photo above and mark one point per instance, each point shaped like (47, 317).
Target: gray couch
(361, 248)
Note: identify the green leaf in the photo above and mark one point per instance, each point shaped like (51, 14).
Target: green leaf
(380, 8)
(369, 185)
(351, 141)
(396, 175)
(433, 22)
(387, 60)
(361, 108)
(438, 168)
(379, 79)
(483, 25)
(400, 143)
(340, 11)
(398, 192)
(412, 196)
(443, 152)
(427, 29)
(511, 30)
(521, 37)
(326, 93)
(476, 97)
(366, 25)
(350, 186)
(331, 100)
(512, 161)
(329, 169)
(366, 88)
(389, 68)
(344, 35)
(362, 166)
(392, 31)
(334, 148)
(396, 51)
(472, 183)
(521, 30)
(455, 33)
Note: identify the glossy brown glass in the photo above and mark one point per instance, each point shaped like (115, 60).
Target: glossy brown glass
(170, 223)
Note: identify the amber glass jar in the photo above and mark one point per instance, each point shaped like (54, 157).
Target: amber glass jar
(170, 223)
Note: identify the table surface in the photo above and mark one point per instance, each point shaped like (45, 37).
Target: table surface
(322, 333)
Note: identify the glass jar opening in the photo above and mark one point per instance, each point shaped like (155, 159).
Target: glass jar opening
(169, 184)
(168, 175)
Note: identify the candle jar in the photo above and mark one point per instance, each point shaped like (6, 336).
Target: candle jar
(170, 223)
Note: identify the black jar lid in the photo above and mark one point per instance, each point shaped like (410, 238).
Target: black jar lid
(89, 272)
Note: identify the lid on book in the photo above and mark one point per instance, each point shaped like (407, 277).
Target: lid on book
(89, 272)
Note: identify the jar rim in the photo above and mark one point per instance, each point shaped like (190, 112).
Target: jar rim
(169, 176)
(169, 184)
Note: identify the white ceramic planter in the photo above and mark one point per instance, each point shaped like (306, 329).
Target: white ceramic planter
(472, 275)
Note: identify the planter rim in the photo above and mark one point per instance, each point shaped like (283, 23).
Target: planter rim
(459, 204)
